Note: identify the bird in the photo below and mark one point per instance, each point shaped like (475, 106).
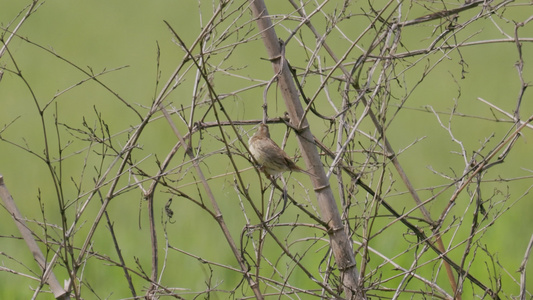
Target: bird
(271, 158)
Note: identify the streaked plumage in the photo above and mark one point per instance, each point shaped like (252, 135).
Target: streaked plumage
(271, 158)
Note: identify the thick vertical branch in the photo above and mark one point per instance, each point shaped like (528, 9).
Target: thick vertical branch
(340, 243)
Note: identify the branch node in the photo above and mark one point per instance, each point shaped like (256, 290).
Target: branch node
(322, 187)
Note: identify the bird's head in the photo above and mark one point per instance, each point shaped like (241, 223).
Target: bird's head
(263, 131)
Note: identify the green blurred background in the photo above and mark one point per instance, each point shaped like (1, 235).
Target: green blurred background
(105, 35)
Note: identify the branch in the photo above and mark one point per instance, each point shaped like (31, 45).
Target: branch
(340, 243)
(48, 274)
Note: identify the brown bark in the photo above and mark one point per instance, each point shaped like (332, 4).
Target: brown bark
(340, 243)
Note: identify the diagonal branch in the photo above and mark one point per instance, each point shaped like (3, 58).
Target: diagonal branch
(48, 275)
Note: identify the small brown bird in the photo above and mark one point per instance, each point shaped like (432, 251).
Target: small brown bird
(271, 158)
